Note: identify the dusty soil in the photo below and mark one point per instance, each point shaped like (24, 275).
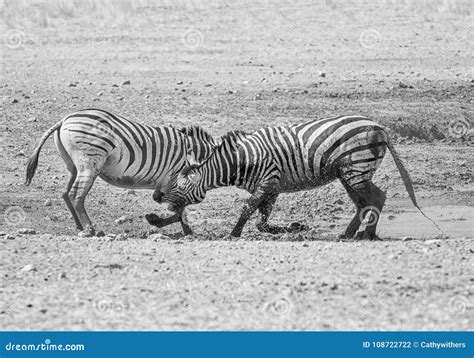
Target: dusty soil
(408, 65)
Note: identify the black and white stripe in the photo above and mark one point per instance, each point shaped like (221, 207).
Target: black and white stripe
(122, 152)
(282, 159)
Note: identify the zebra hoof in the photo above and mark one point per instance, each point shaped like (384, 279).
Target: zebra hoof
(364, 235)
(87, 233)
(154, 220)
(230, 237)
(297, 227)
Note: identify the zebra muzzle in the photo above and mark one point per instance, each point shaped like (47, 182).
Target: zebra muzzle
(158, 196)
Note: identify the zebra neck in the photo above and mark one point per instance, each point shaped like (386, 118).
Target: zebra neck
(220, 170)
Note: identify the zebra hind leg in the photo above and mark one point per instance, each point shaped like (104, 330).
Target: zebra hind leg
(369, 201)
(82, 184)
(72, 177)
(66, 198)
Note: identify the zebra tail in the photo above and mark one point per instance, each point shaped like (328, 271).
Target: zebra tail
(33, 161)
(408, 182)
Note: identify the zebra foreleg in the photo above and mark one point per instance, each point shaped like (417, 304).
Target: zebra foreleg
(262, 199)
(159, 222)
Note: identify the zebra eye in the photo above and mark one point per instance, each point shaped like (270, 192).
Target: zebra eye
(194, 177)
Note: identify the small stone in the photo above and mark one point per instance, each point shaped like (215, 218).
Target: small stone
(46, 237)
(9, 237)
(322, 74)
(14, 100)
(258, 96)
(62, 275)
(28, 268)
(334, 287)
(156, 237)
(391, 217)
(48, 202)
(110, 235)
(124, 219)
(26, 231)
(131, 192)
(100, 94)
(72, 84)
(3, 233)
(126, 83)
(179, 83)
(119, 98)
(230, 92)
(338, 202)
(407, 238)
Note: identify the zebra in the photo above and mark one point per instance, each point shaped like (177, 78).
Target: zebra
(285, 159)
(124, 153)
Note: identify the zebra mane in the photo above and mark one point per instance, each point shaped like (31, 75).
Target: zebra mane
(198, 132)
(233, 136)
(230, 137)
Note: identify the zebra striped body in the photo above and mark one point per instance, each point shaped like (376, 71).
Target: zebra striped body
(309, 155)
(280, 159)
(124, 153)
(130, 154)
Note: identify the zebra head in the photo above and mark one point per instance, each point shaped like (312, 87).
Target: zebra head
(185, 188)
(200, 143)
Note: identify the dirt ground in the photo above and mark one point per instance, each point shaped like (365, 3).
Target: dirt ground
(240, 65)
